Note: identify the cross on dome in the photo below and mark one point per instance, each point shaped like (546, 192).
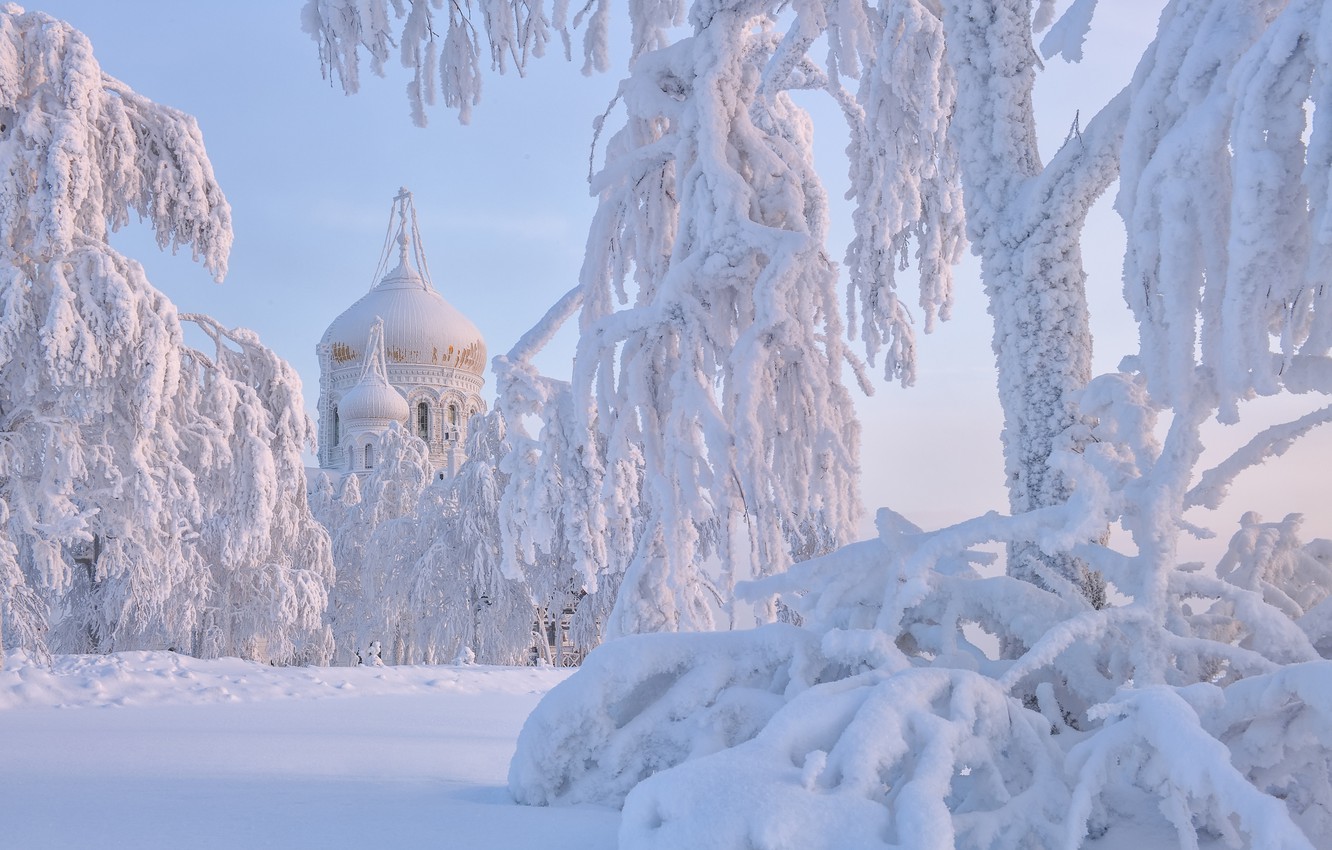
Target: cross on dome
(407, 235)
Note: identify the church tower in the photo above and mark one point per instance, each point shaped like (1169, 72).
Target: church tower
(400, 339)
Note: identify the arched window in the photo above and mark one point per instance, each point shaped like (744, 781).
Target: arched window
(453, 414)
(369, 456)
(337, 437)
(423, 420)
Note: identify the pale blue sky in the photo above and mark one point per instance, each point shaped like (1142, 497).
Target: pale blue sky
(503, 207)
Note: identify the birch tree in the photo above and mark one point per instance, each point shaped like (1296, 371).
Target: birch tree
(113, 433)
(495, 612)
(419, 560)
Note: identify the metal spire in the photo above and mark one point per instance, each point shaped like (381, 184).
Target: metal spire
(408, 236)
(403, 199)
(375, 364)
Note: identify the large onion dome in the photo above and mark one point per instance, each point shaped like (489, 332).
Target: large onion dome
(420, 327)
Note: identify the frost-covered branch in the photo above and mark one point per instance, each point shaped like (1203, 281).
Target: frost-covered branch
(1220, 162)
(84, 150)
(904, 175)
(444, 43)
(1272, 441)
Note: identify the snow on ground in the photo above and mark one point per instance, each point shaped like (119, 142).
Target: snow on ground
(156, 750)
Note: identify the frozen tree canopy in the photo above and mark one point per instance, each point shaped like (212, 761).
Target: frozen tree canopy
(440, 42)
(711, 342)
(83, 151)
(419, 561)
(152, 495)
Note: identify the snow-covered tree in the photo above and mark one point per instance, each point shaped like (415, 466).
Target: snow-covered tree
(1024, 219)
(22, 613)
(500, 608)
(114, 434)
(81, 150)
(551, 541)
(377, 518)
(270, 561)
(570, 552)
(710, 338)
(419, 567)
(324, 502)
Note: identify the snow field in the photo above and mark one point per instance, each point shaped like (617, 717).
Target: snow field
(155, 750)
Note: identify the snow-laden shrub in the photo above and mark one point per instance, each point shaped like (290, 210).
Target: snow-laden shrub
(641, 705)
(1278, 730)
(1177, 748)
(922, 758)
(944, 708)
(1296, 577)
(930, 753)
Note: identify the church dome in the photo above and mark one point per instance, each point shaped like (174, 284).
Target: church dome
(372, 401)
(420, 327)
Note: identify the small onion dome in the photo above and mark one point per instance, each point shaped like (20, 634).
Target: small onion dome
(420, 327)
(372, 400)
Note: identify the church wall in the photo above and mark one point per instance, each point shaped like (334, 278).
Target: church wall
(439, 387)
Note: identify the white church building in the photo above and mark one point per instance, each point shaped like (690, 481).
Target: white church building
(402, 354)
